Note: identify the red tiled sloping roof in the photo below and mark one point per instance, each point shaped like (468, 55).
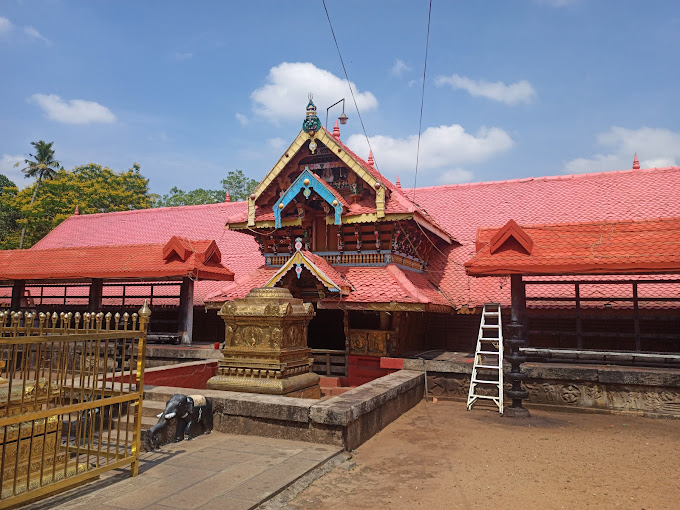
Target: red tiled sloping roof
(239, 251)
(384, 284)
(240, 288)
(462, 208)
(616, 247)
(128, 261)
(327, 269)
(390, 283)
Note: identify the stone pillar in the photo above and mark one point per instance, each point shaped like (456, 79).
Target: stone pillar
(95, 300)
(18, 288)
(516, 338)
(265, 346)
(185, 322)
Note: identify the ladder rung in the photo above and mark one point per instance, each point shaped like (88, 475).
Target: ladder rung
(497, 353)
(483, 381)
(491, 314)
(486, 396)
(494, 367)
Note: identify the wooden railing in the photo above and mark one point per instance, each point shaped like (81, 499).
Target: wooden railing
(348, 258)
(71, 390)
(329, 362)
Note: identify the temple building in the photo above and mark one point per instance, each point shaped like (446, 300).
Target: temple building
(383, 266)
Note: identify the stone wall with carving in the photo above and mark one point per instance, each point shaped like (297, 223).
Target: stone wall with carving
(646, 391)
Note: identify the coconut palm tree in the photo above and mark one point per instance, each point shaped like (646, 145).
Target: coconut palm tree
(43, 166)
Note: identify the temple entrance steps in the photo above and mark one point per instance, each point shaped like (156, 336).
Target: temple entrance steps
(486, 382)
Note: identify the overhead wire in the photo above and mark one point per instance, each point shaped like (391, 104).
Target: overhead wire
(349, 83)
(422, 99)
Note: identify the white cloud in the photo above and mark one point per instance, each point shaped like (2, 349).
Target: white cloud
(456, 176)
(32, 32)
(519, 92)
(179, 55)
(7, 162)
(277, 143)
(75, 111)
(443, 149)
(241, 118)
(399, 68)
(5, 26)
(655, 147)
(284, 96)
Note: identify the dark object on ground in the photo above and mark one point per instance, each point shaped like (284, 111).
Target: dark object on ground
(192, 415)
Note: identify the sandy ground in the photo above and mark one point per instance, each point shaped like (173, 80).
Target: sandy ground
(442, 456)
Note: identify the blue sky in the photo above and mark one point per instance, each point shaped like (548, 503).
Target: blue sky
(514, 88)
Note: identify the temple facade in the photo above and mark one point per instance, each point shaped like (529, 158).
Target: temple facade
(384, 267)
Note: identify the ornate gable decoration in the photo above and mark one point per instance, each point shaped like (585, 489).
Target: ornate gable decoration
(301, 258)
(305, 182)
(312, 135)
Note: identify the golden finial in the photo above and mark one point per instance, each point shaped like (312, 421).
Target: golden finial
(145, 311)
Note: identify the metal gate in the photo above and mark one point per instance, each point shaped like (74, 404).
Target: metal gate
(71, 390)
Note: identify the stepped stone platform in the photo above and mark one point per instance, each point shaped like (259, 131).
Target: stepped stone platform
(346, 420)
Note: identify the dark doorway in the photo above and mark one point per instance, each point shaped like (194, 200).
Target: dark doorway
(327, 330)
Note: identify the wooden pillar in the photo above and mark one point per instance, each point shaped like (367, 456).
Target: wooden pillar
(185, 322)
(95, 300)
(18, 288)
(516, 339)
(385, 321)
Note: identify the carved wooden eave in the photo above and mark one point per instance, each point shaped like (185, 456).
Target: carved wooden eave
(306, 182)
(423, 222)
(299, 259)
(336, 148)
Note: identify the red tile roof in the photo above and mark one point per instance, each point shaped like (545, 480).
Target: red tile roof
(459, 209)
(462, 208)
(385, 284)
(239, 251)
(177, 258)
(612, 247)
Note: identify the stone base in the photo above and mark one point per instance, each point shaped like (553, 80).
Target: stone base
(516, 412)
(296, 385)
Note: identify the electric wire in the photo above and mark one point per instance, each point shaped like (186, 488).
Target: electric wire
(349, 83)
(422, 100)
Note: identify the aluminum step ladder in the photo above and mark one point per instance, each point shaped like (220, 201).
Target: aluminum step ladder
(487, 371)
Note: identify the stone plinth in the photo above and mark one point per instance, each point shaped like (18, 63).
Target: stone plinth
(265, 349)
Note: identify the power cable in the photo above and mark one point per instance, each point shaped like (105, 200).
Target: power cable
(422, 100)
(349, 83)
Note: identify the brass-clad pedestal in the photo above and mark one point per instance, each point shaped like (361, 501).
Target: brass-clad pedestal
(265, 348)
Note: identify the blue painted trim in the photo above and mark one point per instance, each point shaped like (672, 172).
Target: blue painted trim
(299, 185)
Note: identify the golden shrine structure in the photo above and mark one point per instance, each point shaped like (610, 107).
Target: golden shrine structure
(265, 347)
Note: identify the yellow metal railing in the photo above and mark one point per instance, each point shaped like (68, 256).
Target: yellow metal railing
(71, 390)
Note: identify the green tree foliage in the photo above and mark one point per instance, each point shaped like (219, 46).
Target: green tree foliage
(237, 183)
(42, 166)
(9, 213)
(93, 188)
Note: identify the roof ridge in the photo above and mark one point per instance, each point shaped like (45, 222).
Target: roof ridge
(560, 177)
